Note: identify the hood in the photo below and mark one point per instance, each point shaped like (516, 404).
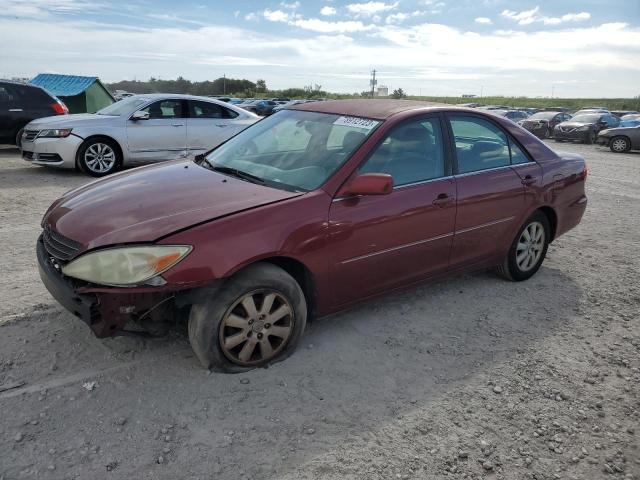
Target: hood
(147, 203)
(571, 124)
(620, 131)
(69, 121)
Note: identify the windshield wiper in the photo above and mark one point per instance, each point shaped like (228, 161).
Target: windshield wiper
(235, 172)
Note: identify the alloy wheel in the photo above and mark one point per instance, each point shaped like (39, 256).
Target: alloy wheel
(100, 158)
(256, 328)
(619, 145)
(530, 246)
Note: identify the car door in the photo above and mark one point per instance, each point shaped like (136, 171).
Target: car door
(490, 191)
(208, 125)
(13, 111)
(380, 242)
(163, 136)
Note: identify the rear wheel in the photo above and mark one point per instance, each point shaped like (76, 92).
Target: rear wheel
(99, 157)
(591, 137)
(620, 144)
(528, 250)
(256, 318)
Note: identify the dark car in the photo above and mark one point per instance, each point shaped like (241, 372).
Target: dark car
(622, 139)
(19, 104)
(304, 214)
(622, 113)
(584, 127)
(260, 107)
(542, 124)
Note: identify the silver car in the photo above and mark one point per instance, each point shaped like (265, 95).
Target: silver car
(137, 129)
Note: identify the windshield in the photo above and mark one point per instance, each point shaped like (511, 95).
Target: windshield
(292, 149)
(543, 116)
(586, 118)
(123, 107)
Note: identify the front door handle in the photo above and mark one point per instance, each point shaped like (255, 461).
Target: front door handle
(15, 110)
(528, 180)
(442, 200)
(221, 125)
(177, 124)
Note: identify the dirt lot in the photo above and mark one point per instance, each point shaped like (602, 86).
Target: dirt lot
(472, 377)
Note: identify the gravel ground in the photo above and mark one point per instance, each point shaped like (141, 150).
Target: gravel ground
(472, 377)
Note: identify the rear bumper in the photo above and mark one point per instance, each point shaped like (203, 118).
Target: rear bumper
(572, 215)
(54, 152)
(105, 311)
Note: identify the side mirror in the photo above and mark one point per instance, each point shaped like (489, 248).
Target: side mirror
(140, 115)
(368, 184)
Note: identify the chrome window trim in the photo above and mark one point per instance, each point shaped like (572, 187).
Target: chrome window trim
(503, 167)
(393, 249)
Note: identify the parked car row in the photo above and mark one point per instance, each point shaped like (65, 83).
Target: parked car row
(619, 130)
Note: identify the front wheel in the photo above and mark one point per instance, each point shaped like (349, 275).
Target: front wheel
(256, 318)
(528, 250)
(99, 157)
(619, 145)
(591, 137)
(19, 138)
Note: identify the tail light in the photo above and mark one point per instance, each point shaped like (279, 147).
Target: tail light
(585, 171)
(60, 108)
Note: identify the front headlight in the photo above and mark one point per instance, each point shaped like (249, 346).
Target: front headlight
(55, 133)
(126, 265)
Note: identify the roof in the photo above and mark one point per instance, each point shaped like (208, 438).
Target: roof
(64, 85)
(371, 108)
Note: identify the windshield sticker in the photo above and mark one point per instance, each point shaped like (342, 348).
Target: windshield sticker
(356, 122)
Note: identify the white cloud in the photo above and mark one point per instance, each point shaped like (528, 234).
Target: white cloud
(527, 17)
(43, 8)
(318, 25)
(291, 6)
(396, 17)
(370, 8)
(483, 20)
(276, 15)
(251, 16)
(328, 11)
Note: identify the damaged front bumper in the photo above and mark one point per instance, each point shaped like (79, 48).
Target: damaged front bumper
(106, 310)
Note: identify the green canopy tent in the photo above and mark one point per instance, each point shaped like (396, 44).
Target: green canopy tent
(80, 94)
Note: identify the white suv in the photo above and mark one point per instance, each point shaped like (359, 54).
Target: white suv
(137, 129)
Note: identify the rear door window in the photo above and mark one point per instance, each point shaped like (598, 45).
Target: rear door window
(480, 145)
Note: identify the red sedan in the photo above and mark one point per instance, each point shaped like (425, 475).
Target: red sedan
(304, 214)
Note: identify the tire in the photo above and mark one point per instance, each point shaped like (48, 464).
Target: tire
(547, 133)
(591, 138)
(620, 144)
(558, 140)
(518, 270)
(98, 157)
(19, 138)
(221, 329)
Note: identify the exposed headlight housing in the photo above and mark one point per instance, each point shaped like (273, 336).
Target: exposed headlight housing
(55, 133)
(126, 266)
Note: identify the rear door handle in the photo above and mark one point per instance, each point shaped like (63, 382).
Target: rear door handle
(177, 124)
(221, 125)
(528, 181)
(16, 110)
(442, 200)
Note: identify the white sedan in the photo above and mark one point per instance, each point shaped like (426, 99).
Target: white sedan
(135, 130)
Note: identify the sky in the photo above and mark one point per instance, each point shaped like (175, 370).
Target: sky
(568, 48)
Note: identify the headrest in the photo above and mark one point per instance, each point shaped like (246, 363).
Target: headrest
(352, 139)
(486, 146)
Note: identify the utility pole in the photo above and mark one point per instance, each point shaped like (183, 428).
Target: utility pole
(481, 90)
(224, 83)
(553, 88)
(373, 82)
